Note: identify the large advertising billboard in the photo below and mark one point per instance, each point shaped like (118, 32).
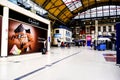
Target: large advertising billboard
(24, 38)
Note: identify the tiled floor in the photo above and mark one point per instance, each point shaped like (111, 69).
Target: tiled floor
(60, 64)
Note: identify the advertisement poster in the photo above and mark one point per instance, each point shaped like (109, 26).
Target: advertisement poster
(118, 43)
(88, 38)
(24, 38)
(0, 32)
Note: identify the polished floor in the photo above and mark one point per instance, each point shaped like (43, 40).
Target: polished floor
(75, 63)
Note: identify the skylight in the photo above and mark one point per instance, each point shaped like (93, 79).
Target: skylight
(72, 4)
(99, 12)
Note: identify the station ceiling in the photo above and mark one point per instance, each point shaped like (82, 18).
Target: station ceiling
(65, 10)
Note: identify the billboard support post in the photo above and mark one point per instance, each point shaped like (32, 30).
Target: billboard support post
(4, 36)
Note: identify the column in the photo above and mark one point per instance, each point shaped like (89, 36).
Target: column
(4, 36)
(96, 31)
(107, 27)
(112, 28)
(49, 36)
(102, 29)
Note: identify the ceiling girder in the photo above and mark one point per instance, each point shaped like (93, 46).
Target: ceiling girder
(54, 9)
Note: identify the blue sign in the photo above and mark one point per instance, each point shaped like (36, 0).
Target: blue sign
(57, 35)
(118, 42)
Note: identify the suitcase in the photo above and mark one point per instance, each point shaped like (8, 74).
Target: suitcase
(102, 47)
(44, 51)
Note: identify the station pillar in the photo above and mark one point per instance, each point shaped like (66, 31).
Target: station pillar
(4, 36)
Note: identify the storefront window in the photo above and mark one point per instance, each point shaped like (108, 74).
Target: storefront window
(57, 31)
(109, 28)
(104, 28)
(99, 28)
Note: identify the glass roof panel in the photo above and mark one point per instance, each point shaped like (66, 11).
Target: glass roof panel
(118, 10)
(106, 10)
(82, 15)
(112, 10)
(99, 12)
(93, 12)
(87, 14)
(40, 10)
(72, 4)
(76, 17)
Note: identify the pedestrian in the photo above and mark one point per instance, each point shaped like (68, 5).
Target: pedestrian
(62, 44)
(44, 50)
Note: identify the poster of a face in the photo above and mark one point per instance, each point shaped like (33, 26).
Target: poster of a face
(0, 32)
(25, 38)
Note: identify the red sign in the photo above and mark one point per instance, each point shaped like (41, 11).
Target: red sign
(88, 38)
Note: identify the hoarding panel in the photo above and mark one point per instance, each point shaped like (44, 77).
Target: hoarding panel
(27, 38)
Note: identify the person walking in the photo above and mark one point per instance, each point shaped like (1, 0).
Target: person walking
(44, 50)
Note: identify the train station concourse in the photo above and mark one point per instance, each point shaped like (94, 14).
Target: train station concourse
(75, 63)
(59, 39)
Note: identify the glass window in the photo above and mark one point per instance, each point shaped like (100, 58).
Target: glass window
(87, 29)
(118, 10)
(106, 10)
(72, 4)
(99, 28)
(20, 1)
(112, 10)
(82, 15)
(13, 1)
(93, 12)
(114, 27)
(87, 14)
(57, 31)
(39, 10)
(99, 12)
(77, 17)
(104, 28)
(77, 30)
(67, 34)
(109, 28)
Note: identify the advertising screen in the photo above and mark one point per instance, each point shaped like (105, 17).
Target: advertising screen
(24, 38)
